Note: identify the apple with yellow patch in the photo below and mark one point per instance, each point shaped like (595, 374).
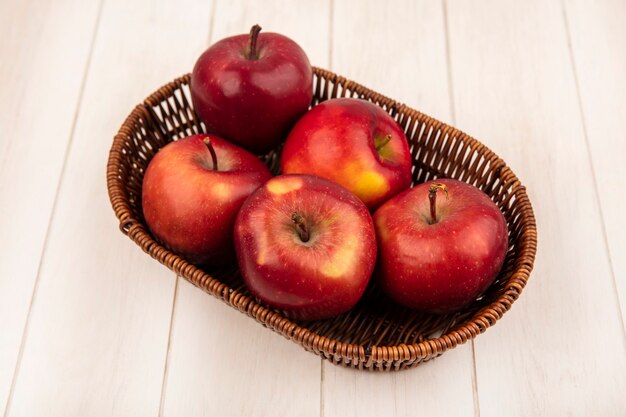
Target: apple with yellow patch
(354, 143)
(305, 246)
(192, 191)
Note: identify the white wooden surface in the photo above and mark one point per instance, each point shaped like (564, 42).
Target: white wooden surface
(89, 325)
(514, 83)
(600, 74)
(34, 136)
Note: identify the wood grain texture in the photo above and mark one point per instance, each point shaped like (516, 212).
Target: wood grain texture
(34, 135)
(221, 362)
(98, 333)
(97, 338)
(560, 351)
(397, 48)
(387, 57)
(598, 42)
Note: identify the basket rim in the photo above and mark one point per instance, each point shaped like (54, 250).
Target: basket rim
(366, 356)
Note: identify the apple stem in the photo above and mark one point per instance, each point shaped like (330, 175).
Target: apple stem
(382, 144)
(254, 35)
(209, 145)
(300, 223)
(432, 197)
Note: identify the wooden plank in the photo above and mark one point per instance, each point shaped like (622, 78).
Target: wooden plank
(97, 339)
(598, 41)
(560, 350)
(442, 387)
(398, 48)
(222, 362)
(40, 87)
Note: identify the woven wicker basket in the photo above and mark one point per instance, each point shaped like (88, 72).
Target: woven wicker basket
(376, 334)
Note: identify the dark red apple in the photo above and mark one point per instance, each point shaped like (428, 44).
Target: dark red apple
(438, 253)
(251, 89)
(306, 246)
(354, 143)
(192, 191)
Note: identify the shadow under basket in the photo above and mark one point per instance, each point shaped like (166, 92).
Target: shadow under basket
(376, 334)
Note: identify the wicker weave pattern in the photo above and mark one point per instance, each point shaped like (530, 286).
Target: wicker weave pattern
(377, 334)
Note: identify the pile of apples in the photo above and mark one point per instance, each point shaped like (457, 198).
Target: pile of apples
(308, 241)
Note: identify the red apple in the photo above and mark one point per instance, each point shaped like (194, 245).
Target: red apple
(251, 89)
(438, 253)
(192, 191)
(305, 246)
(354, 143)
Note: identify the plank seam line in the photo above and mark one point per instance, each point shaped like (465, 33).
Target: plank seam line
(448, 62)
(168, 349)
(79, 103)
(475, 381)
(173, 313)
(331, 17)
(593, 171)
(211, 23)
(446, 27)
(321, 387)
